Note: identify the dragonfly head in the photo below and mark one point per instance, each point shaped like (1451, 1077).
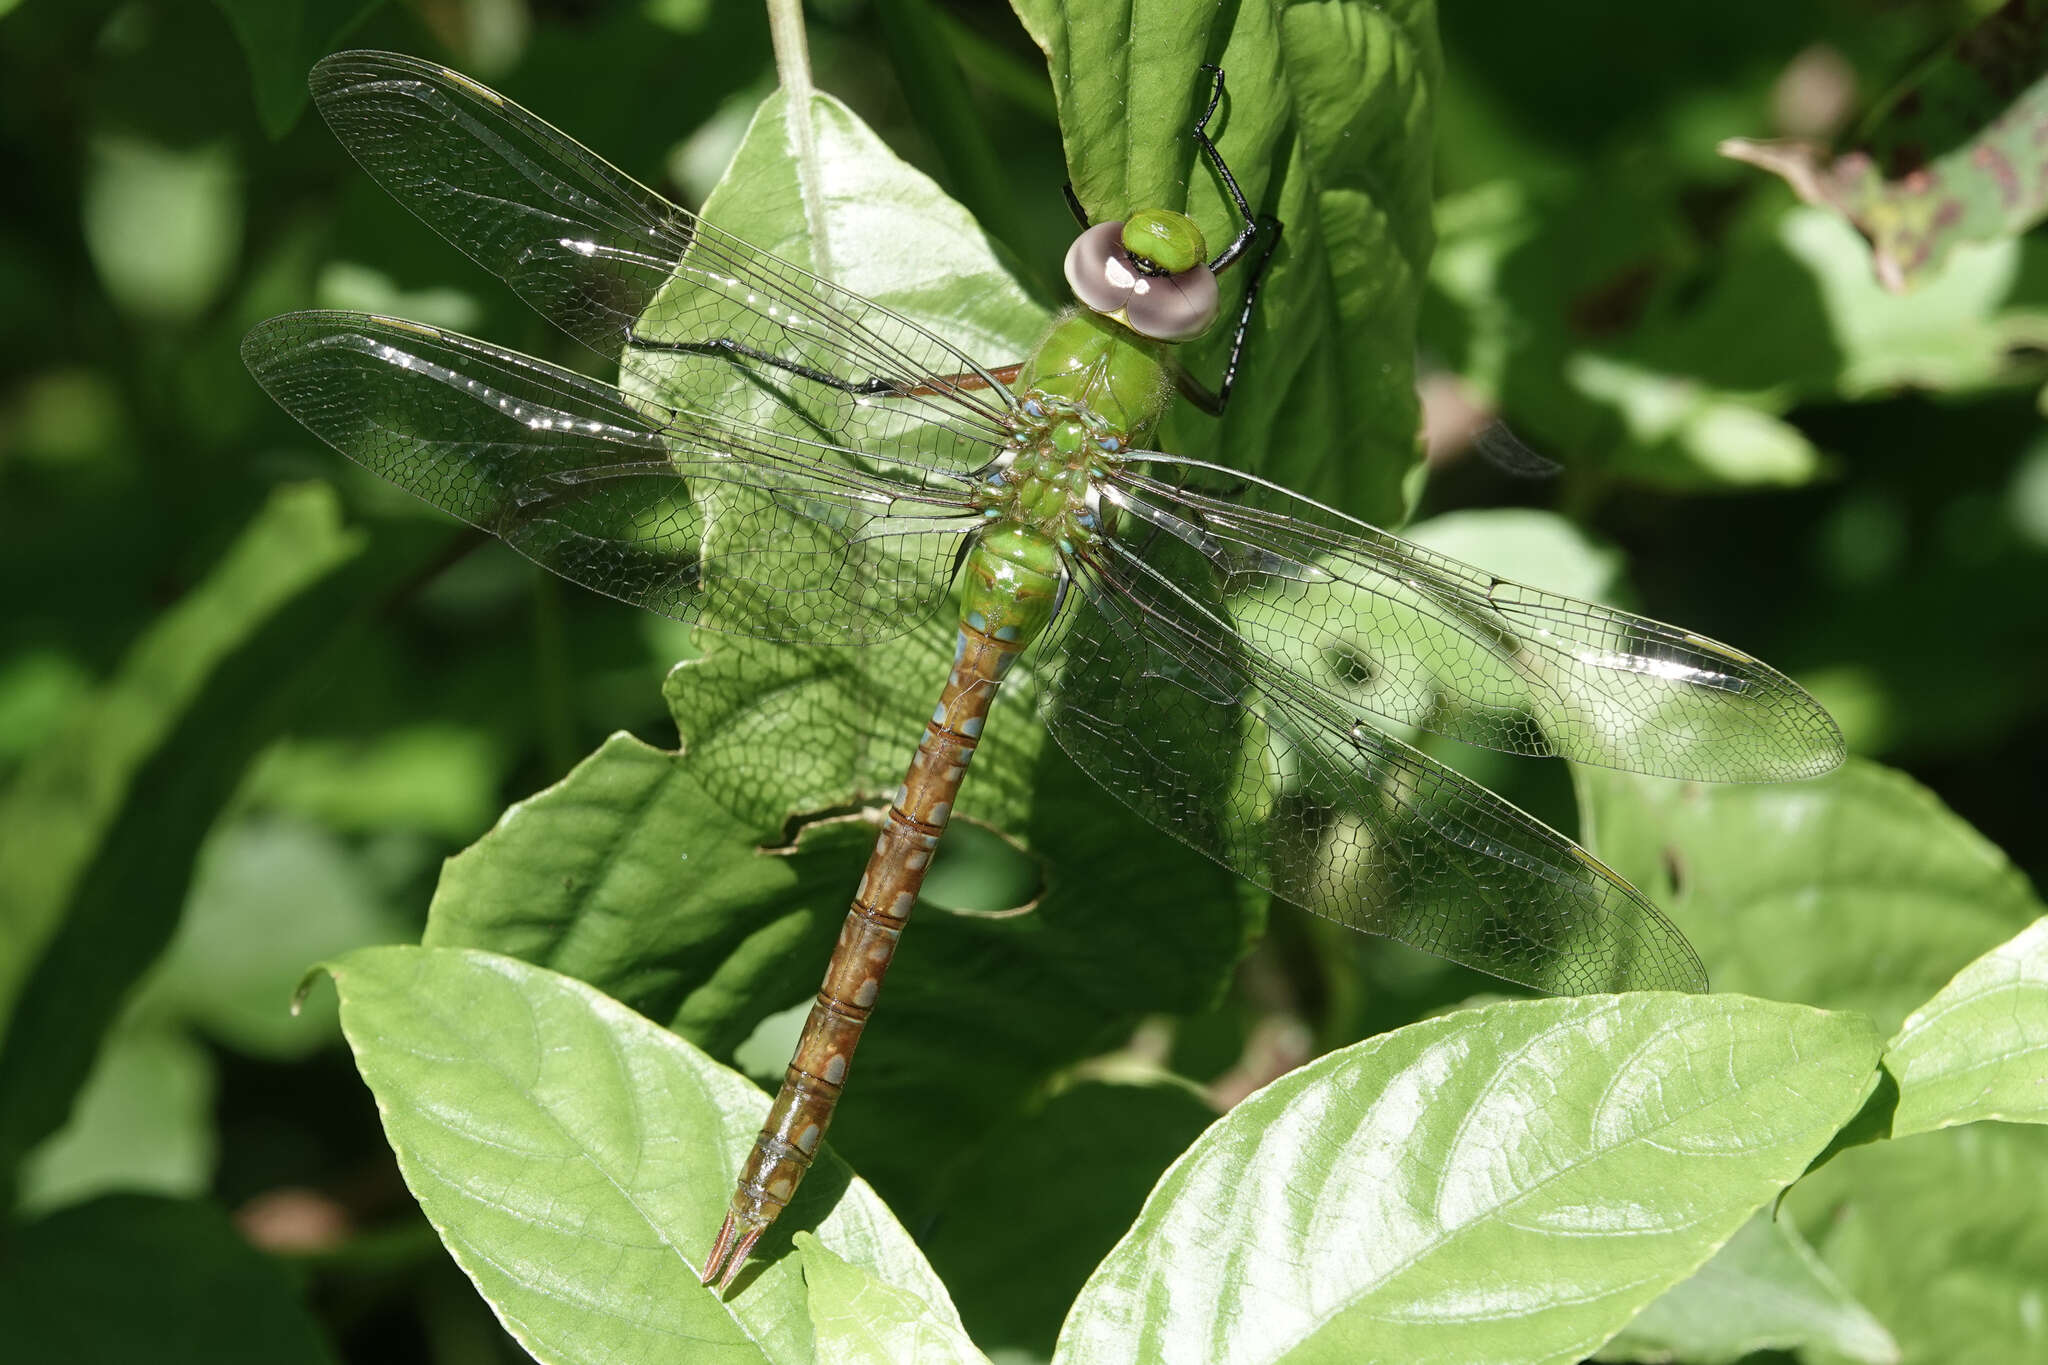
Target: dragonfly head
(1148, 273)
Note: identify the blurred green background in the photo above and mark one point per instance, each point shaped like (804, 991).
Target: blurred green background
(1850, 484)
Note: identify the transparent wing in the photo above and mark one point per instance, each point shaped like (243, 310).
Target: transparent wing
(1236, 759)
(735, 527)
(696, 318)
(1369, 623)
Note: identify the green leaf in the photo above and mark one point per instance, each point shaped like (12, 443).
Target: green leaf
(136, 1277)
(860, 1320)
(883, 230)
(1093, 1152)
(1764, 1290)
(1541, 549)
(1952, 157)
(1326, 125)
(281, 39)
(1511, 1183)
(576, 1160)
(1944, 1236)
(669, 881)
(142, 1121)
(1979, 1048)
(1857, 890)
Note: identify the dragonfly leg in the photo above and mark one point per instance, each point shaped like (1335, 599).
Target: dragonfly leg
(1074, 204)
(803, 1109)
(1228, 256)
(1191, 388)
(1255, 228)
(861, 388)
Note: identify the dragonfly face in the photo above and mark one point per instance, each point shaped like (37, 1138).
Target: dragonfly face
(1147, 272)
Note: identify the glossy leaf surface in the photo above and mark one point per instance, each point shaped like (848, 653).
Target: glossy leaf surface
(1583, 1156)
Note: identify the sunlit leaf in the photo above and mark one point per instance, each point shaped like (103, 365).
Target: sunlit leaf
(862, 1321)
(1979, 1048)
(1511, 1183)
(576, 1160)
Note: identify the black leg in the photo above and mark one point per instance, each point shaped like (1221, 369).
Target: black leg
(864, 388)
(1193, 389)
(1228, 256)
(1074, 203)
(1268, 228)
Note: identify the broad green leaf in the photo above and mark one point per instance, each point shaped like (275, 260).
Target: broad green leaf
(1944, 1236)
(670, 881)
(576, 1160)
(1952, 156)
(1979, 1048)
(1512, 1183)
(143, 1121)
(1093, 1152)
(1857, 890)
(135, 1277)
(864, 219)
(1764, 1290)
(98, 834)
(1326, 125)
(860, 1320)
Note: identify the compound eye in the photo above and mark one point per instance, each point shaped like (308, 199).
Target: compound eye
(1173, 307)
(1099, 270)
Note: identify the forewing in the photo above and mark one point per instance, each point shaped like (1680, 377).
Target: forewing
(735, 528)
(1376, 625)
(1175, 717)
(695, 317)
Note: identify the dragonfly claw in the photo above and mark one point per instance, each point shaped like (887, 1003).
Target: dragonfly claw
(728, 1256)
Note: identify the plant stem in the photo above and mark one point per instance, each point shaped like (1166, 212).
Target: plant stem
(793, 69)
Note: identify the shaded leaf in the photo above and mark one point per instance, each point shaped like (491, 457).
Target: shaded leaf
(143, 1121)
(1952, 156)
(98, 834)
(1764, 1290)
(1093, 1152)
(1979, 1048)
(1511, 1183)
(1944, 1236)
(576, 1159)
(1326, 126)
(136, 1277)
(1857, 890)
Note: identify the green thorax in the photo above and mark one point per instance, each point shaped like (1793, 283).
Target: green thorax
(1090, 392)
(1101, 365)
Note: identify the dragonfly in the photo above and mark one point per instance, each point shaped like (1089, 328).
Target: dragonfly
(783, 459)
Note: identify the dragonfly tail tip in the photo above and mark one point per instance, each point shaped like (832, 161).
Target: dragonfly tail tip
(729, 1253)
